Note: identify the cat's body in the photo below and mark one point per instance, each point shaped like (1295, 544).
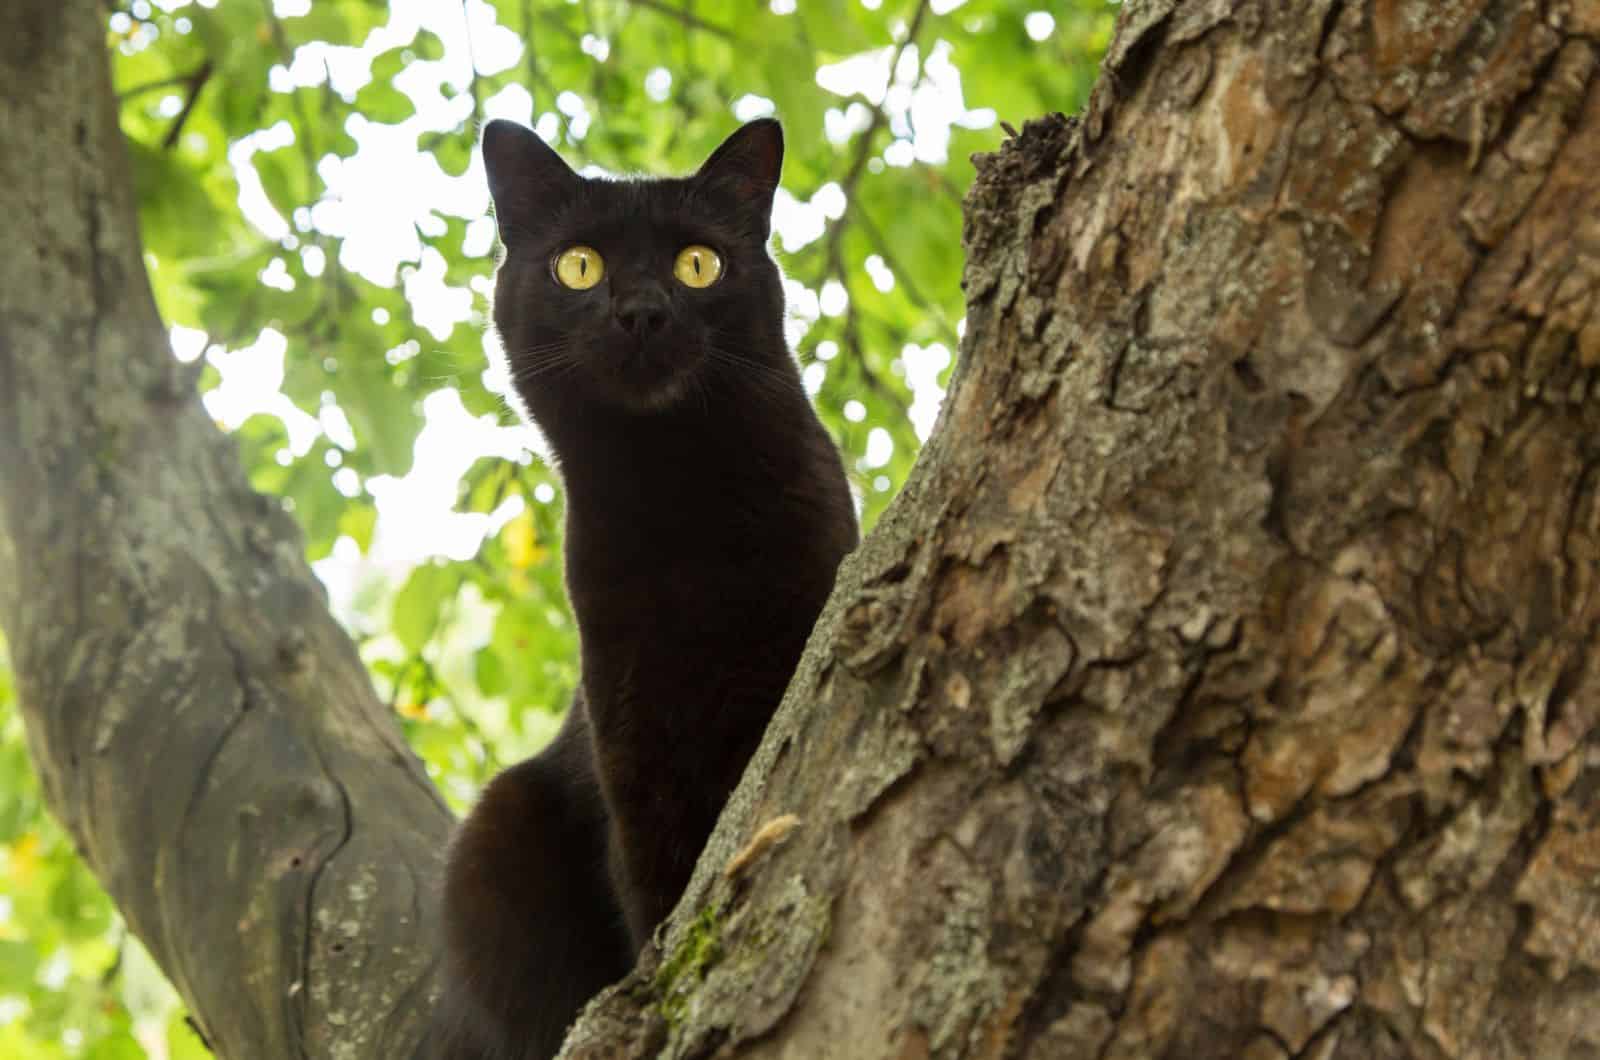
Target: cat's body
(707, 512)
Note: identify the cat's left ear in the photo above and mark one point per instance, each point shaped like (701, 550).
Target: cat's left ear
(748, 164)
(525, 177)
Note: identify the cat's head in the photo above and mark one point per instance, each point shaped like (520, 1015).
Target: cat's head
(635, 293)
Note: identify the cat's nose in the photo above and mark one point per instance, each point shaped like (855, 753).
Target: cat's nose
(641, 313)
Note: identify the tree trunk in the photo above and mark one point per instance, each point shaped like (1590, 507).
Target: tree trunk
(1222, 685)
(200, 723)
(1219, 686)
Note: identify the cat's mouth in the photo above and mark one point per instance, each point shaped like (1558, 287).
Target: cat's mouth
(649, 375)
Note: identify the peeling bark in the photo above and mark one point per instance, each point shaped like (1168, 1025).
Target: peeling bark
(1221, 685)
(199, 722)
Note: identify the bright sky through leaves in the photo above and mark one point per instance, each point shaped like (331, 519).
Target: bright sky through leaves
(388, 181)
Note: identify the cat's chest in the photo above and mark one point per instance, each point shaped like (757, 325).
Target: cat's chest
(704, 581)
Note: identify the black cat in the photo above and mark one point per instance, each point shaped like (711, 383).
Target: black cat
(707, 512)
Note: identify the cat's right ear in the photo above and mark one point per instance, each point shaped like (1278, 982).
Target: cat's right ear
(747, 164)
(525, 175)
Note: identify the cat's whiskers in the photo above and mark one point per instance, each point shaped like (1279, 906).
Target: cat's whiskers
(768, 383)
(702, 389)
(540, 349)
(547, 373)
(719, 343)
(534, 369)
(544, 360)
(719, 336)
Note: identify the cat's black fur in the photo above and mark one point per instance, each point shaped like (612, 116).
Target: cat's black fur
(707, 511)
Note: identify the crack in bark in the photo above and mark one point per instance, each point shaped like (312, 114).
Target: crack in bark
(97, 286)
(311, 927)
(197, 795)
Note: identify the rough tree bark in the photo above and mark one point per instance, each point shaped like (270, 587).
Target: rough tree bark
(200, 723)
(1223, 684)
(1220, 686)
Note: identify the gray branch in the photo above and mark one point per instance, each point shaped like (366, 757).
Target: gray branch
(200, 724)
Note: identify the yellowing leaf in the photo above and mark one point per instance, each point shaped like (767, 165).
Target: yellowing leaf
(24, 857)
(522, 542)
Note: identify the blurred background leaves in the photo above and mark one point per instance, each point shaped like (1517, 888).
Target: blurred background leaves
(315, 221)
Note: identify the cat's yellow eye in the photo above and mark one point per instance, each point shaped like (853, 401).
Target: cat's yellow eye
(579, 268)
(697, 266)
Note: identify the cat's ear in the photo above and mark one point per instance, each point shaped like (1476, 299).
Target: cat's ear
(525, 174)
(747, 164)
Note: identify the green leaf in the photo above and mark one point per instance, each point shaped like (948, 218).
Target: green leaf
(490, 672)
(417, 605)
(77, 904)
(178, 215)
(182, 1041)
(19, 962)
(379, 100)
(283, 177)
(426, 45)
(119, 1044)
(383, 416)
(357, 522)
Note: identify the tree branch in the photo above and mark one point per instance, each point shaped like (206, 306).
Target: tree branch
(903, 276)
(833, 257)
(687, 18)
(165, 82)
(537, 75)
(196, 82)
(200, 724)
(472, 63)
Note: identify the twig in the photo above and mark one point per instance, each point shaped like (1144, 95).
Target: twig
(557, 20)
(950, 191)
(903, 276)
(194, 1025)
(686, 39)
(537, 75)
(858, 165)
(852, 323)
(302, 134)
(490, 763)
(472, 64)
(114, 969)
(688, 18)
(308, 151)
(151, 86)
(196, 82)
(597, 70)
(834, 257)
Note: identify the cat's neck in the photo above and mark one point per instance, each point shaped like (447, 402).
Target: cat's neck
(619, 462)
(725, 487)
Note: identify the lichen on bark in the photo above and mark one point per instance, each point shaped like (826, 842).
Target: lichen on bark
(1226, 666)
(199, 722)
(1221, 685)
